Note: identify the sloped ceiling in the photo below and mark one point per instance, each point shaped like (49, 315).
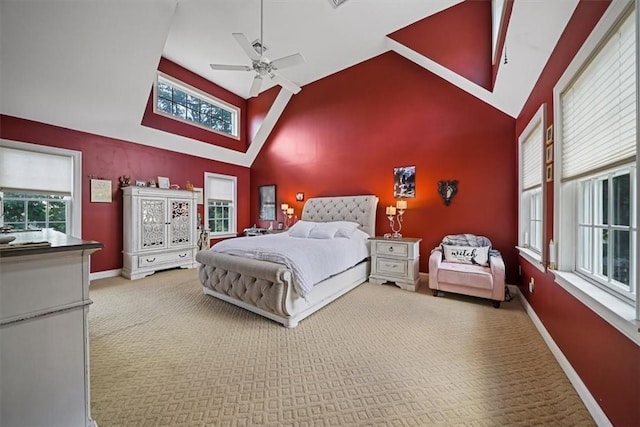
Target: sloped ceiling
(89, 65)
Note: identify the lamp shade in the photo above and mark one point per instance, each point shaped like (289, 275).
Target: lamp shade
(401, 204)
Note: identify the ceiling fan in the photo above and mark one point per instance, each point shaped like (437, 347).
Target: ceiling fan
(263, 66)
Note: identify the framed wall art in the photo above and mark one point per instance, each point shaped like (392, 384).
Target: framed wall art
(267, 200)
(101, 191)
(404, 182)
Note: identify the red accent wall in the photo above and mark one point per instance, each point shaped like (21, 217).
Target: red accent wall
(176, 127)
(605, 359)
(439, 38)
(110, 158)
(344, 134)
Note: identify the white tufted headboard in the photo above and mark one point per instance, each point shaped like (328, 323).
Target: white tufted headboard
(360, 209)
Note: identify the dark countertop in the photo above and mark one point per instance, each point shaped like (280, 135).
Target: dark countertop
(30, 243)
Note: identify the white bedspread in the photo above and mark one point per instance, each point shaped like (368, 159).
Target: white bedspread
(310, 260)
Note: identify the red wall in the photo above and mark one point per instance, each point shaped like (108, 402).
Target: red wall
(439, 38)
(606, 360)
(344, 135)
(110, 158)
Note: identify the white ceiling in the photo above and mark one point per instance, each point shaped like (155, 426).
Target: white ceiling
(89, 64)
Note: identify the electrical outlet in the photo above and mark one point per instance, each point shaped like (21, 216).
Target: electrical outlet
(532, 284)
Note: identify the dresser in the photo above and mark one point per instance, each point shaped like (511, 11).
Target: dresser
(395, 260)
(160, 230)
(44, 342)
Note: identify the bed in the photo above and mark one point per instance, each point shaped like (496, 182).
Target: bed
(271, 289)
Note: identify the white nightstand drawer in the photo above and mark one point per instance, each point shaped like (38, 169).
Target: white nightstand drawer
(398, 268)
(392, 248)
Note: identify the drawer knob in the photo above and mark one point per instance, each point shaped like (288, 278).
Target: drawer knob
(390, 248)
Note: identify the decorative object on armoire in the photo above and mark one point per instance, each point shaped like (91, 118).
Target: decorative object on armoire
(188, 186)
(174, 187)
(101, 191)
(160, 230)
(163, 182)
(125, 181)
(447, 189)
(140, 183)
(392, 213)
(404, 182)
(152, 183)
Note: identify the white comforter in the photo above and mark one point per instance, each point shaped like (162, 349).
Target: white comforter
(310, 260)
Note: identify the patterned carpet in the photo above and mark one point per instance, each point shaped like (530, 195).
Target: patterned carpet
(164, 354)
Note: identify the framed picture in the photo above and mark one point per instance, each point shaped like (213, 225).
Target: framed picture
(163, 182)
(550, 134)
(267, 200)
(101, 191)
(549, 153)
(549, 173)
(141, 183)
(404, 182)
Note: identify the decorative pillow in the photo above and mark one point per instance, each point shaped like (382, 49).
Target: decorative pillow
(301, 229)
(345, 228)
(478, 255)
(323, 232)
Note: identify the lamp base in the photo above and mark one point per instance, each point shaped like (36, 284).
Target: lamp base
(394, 235)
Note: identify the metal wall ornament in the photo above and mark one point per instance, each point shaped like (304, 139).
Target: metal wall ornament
(447, 189)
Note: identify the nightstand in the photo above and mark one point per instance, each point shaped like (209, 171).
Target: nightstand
(395, 260)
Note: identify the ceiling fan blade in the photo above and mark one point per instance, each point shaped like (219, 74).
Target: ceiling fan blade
(230, 67)
(287, 84)
(244, 43)
(255, 86)
(287, 61)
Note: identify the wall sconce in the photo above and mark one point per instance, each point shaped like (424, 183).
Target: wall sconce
(394, 212)
(287, 212)
(447, 189)
(299, 196)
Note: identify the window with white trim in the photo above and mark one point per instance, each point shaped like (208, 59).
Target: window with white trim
(530, 184)
(597, 154)
(185, 103)
(40, 187)
(220, 204)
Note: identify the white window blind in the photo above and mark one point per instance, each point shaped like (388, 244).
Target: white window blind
(30, 171)
(532, 159)
(220, 189)
(599, 108)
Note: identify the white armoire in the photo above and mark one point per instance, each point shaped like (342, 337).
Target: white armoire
(159, 230)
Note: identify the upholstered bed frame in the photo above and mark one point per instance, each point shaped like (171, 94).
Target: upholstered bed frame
(266, 288)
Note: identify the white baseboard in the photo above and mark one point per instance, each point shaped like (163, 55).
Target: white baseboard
(104, 274)
(592, 406)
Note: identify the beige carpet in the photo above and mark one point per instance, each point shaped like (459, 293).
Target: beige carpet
(164, 354)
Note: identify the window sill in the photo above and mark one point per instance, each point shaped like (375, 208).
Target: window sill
(618, 313)
(222, 235)
(532, 257)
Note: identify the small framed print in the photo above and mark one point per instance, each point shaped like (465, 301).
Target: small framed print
(549, 154)
(549, 173)
(550, 134)
(101, 191)
(163, 182)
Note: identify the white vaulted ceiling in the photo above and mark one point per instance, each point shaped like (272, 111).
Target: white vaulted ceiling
(89, 65)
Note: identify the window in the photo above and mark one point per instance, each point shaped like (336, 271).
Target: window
(606, 236)
(596, 172)
(24, 211)
(40, 187)
(182, 102)
(220, 213)
(531, 191)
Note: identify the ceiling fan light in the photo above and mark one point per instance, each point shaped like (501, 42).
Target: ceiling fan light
(336, 3)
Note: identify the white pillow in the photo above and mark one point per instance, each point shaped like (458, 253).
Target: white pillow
(323, 232)
(478, 255)
(345, 228)
(301, 229)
